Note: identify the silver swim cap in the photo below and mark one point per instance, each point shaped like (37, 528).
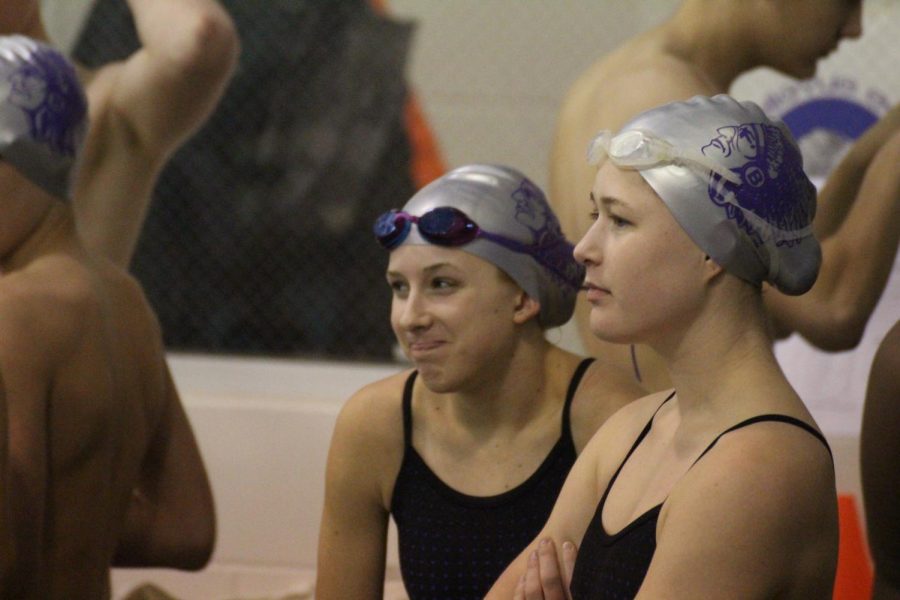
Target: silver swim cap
(498, 214)
(734, 181)
(43, 112)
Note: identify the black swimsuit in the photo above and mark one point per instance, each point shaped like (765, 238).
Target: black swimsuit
(455, 546)
(614, 566)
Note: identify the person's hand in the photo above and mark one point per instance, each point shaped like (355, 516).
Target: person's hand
(544, 580)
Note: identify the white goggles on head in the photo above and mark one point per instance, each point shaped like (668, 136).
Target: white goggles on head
(636, 149)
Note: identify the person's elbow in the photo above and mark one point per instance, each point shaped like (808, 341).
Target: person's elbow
(842, 330)
(196, 549)
(210, 45)
(176, 532)
(196, 533)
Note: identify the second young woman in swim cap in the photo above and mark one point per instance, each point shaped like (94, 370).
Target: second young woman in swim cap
(469, 449)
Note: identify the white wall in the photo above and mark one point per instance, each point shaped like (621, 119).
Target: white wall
(491, 73)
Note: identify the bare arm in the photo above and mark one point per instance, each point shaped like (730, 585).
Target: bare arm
(755, 519)
(856, 262)
(838, 195)
(171, 520)
(571, 515)
(353, 532)
(879, 453)
(143, 109)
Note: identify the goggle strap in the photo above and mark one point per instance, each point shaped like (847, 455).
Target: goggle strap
(663, 153)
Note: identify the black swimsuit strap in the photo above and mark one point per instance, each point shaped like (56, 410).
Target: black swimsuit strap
(771, 417)
(407, 408)
(580, 370)
(567, 407)
(634, 446)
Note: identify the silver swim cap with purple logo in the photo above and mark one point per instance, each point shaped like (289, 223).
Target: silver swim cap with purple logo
(512, 227)
(734, 181)
(43, 112)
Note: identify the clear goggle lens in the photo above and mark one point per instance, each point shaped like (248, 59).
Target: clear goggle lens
(636, 149)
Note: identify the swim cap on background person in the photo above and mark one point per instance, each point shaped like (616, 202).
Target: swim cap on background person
(43, 112)
(501, 217)
(733, 179)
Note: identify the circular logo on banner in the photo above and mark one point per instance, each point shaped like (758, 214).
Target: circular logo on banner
(826, 115)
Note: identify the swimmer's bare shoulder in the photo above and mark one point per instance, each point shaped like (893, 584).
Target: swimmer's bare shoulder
(604, 389)
(44, 308)
(640, 75)
(368, 435)
(83, 334)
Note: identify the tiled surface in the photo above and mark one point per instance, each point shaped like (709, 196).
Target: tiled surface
(212, 584)
(234, 583)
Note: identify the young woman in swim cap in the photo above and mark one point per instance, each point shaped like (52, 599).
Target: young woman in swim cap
(468, 450)
(724, 486)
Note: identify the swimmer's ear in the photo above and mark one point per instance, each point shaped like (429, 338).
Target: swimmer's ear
(527, 308)
(712, 269)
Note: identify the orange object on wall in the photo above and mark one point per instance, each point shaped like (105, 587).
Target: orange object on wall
(427, 162)
(854, 571)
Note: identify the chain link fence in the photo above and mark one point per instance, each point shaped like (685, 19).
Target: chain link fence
(258, 240)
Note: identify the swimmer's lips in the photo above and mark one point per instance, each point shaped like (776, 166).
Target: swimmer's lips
(423, 348)
(595, 293)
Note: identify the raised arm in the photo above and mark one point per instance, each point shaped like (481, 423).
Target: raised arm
(838, 196)
(143, 109)
(362, 464)
(170, 521)
(856, 262)
(879, 453)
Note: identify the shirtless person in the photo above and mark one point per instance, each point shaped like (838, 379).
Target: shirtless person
(102, 467)
(141, 109)
(702, 49)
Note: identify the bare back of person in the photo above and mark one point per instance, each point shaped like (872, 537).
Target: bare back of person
(87, 392)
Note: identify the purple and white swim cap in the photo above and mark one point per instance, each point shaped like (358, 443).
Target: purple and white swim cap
(506, 204)
(43, 112)
(734, 181)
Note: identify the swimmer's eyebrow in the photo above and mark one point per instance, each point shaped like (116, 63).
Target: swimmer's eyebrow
(606, 201)
(610, 200)
(427, 270)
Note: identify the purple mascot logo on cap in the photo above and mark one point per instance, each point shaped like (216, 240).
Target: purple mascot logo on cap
(47, 90)
(533, 212)
(772, 180)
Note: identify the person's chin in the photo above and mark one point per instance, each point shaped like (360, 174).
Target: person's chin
(436, 379)
(807, 70)
(605, 332)
(800, 70)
